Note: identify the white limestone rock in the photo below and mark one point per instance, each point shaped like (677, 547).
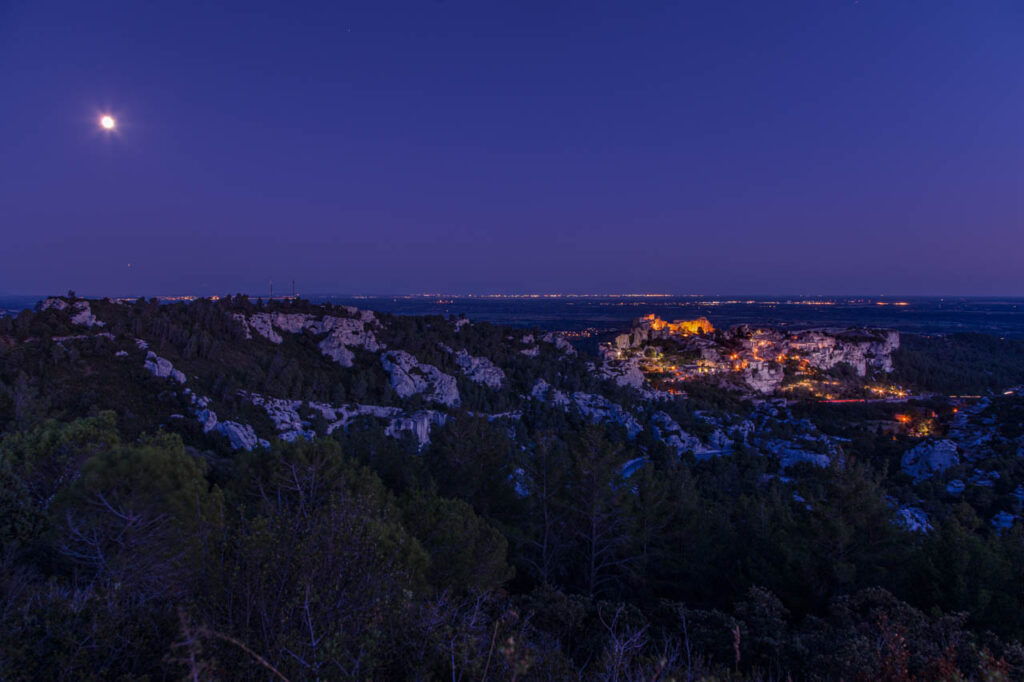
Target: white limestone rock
(342, 415)
(790, 453)
(341, 333)
(624, 372)
(599, 409)
(83, 315)
(240, 318)
(418, 423)
(207, 418)
(596, 408)
(1003, 521)
(479, 369)
(345, 333)
(666, 429)
(398, 422)
(262, 325)
(531, 352)
(285, 415)
(162, 368)
(632, 466)
(241, 436)
(913, 519)
(409, 377)
(545, 392)
(764, 377)
(985, 479)
(929, 458)
(560, 342)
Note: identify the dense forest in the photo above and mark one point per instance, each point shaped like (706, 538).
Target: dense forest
(137, 546)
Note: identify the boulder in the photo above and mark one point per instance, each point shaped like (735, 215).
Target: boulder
(929, 458)
(162, 367)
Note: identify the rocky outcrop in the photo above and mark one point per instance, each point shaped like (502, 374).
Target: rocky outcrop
(560, 342)
(162, 368)
(545, 392)
(790, 454)
(479, 369)
(929, 458)
(291, 426)
(341, 333)
(409, 378)
(207, 419)
(418, 423)
(1003, 521)
(83, 315)
(624, 372)
(913, 519)
(285, 415)
(595, 408)
(669, 432)
(241, 436)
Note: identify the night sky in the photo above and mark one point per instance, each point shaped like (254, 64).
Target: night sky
(474, 146)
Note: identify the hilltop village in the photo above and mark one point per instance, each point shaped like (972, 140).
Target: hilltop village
(828, 364)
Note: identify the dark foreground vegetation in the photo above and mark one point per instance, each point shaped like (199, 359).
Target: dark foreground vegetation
(130, 552)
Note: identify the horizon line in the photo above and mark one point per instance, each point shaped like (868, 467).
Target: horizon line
(522, 295)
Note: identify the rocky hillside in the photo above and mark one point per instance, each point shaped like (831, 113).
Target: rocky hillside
(773, 493)
(245, 374)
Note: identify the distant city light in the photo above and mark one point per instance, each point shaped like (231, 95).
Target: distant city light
(107, 122)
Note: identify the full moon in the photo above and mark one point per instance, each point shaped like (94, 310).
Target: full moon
(108, 122)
